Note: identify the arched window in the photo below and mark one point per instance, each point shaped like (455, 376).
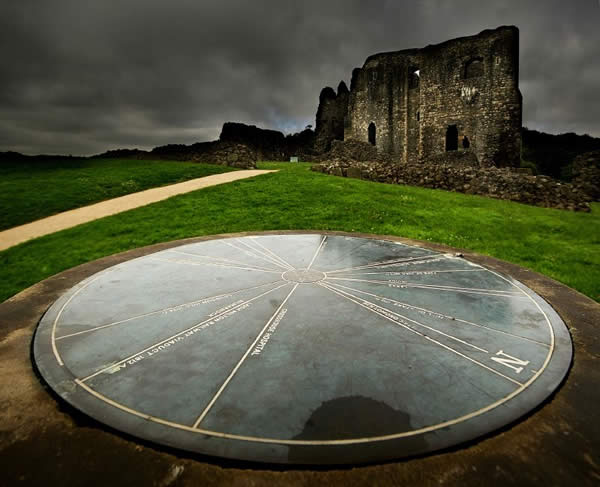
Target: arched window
(473, 68)
(451, 138)
(372, 135)
(466, 143)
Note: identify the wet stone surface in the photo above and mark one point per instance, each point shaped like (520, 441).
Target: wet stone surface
(302, 348)
(303, 276)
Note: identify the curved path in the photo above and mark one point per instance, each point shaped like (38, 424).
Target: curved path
(72, 218)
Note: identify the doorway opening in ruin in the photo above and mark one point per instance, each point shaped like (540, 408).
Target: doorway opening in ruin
(473, 68)
(372, 135)
(451, 138)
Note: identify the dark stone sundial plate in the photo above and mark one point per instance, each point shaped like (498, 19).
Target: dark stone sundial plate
(303, 349)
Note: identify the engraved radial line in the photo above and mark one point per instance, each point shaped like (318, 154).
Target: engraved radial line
(243, 250)
(404, 273)
(261, 255)
(281, 259)
(441, 286)
(246, 251)
(239, 364)
(552, 337)
(223, 259)
(459, 288)
(114, 364)
(55, 323)
(389, 263)
(425, 337)
(432, 288)
(350, 441)
(413, 321)
(214, 264)
(170, 308)
(275, 259)
(317, 252)
(445, 316)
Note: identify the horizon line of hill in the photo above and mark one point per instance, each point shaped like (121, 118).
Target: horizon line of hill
(543, 153)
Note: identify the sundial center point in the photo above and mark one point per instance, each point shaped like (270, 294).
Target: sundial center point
(303, 276)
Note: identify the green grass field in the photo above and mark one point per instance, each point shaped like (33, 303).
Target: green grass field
(561, 244)
(33, 190)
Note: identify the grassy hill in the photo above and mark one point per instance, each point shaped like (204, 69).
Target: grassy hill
(561, 244)
(33, 188)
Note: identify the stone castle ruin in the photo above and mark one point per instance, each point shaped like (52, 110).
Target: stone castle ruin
(461, 95)
(446, 116)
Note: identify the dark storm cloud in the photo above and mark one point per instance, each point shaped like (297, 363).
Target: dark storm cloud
(82, 77)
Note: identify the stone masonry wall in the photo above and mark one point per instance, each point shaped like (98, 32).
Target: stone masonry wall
(406, 102)
(352, 151)
(270, 145)
(458, 171)
(217, 152)
(330, 116)
(586, 174)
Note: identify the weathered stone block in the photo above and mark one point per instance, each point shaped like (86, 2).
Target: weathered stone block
(353, 172)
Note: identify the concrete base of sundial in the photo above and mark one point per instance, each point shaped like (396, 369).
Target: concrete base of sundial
(302, 348)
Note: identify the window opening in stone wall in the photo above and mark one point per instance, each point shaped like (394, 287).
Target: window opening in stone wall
(473, 68)
(466, 143)
(418, 115)
(372, 135)
(451, 138)
(414, 77)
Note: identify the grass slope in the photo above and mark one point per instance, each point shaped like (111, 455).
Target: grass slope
(33, 190)
(560, 244)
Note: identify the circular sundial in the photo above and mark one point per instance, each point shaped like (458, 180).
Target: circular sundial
(303, 349)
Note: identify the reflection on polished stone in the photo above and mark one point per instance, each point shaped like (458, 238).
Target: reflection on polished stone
(302, 348)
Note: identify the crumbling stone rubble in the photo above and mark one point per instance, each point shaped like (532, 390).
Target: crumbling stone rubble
(586, 174)
(217, 152)
(456, 172)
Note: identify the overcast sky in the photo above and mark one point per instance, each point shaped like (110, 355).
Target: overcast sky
(80, 77)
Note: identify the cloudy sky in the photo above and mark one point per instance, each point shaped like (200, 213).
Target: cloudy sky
(81, 77)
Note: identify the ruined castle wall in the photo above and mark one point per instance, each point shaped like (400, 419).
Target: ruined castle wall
(330, 116)
(378, 97)
(413, 114)
(413, 96)
(473, 83)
